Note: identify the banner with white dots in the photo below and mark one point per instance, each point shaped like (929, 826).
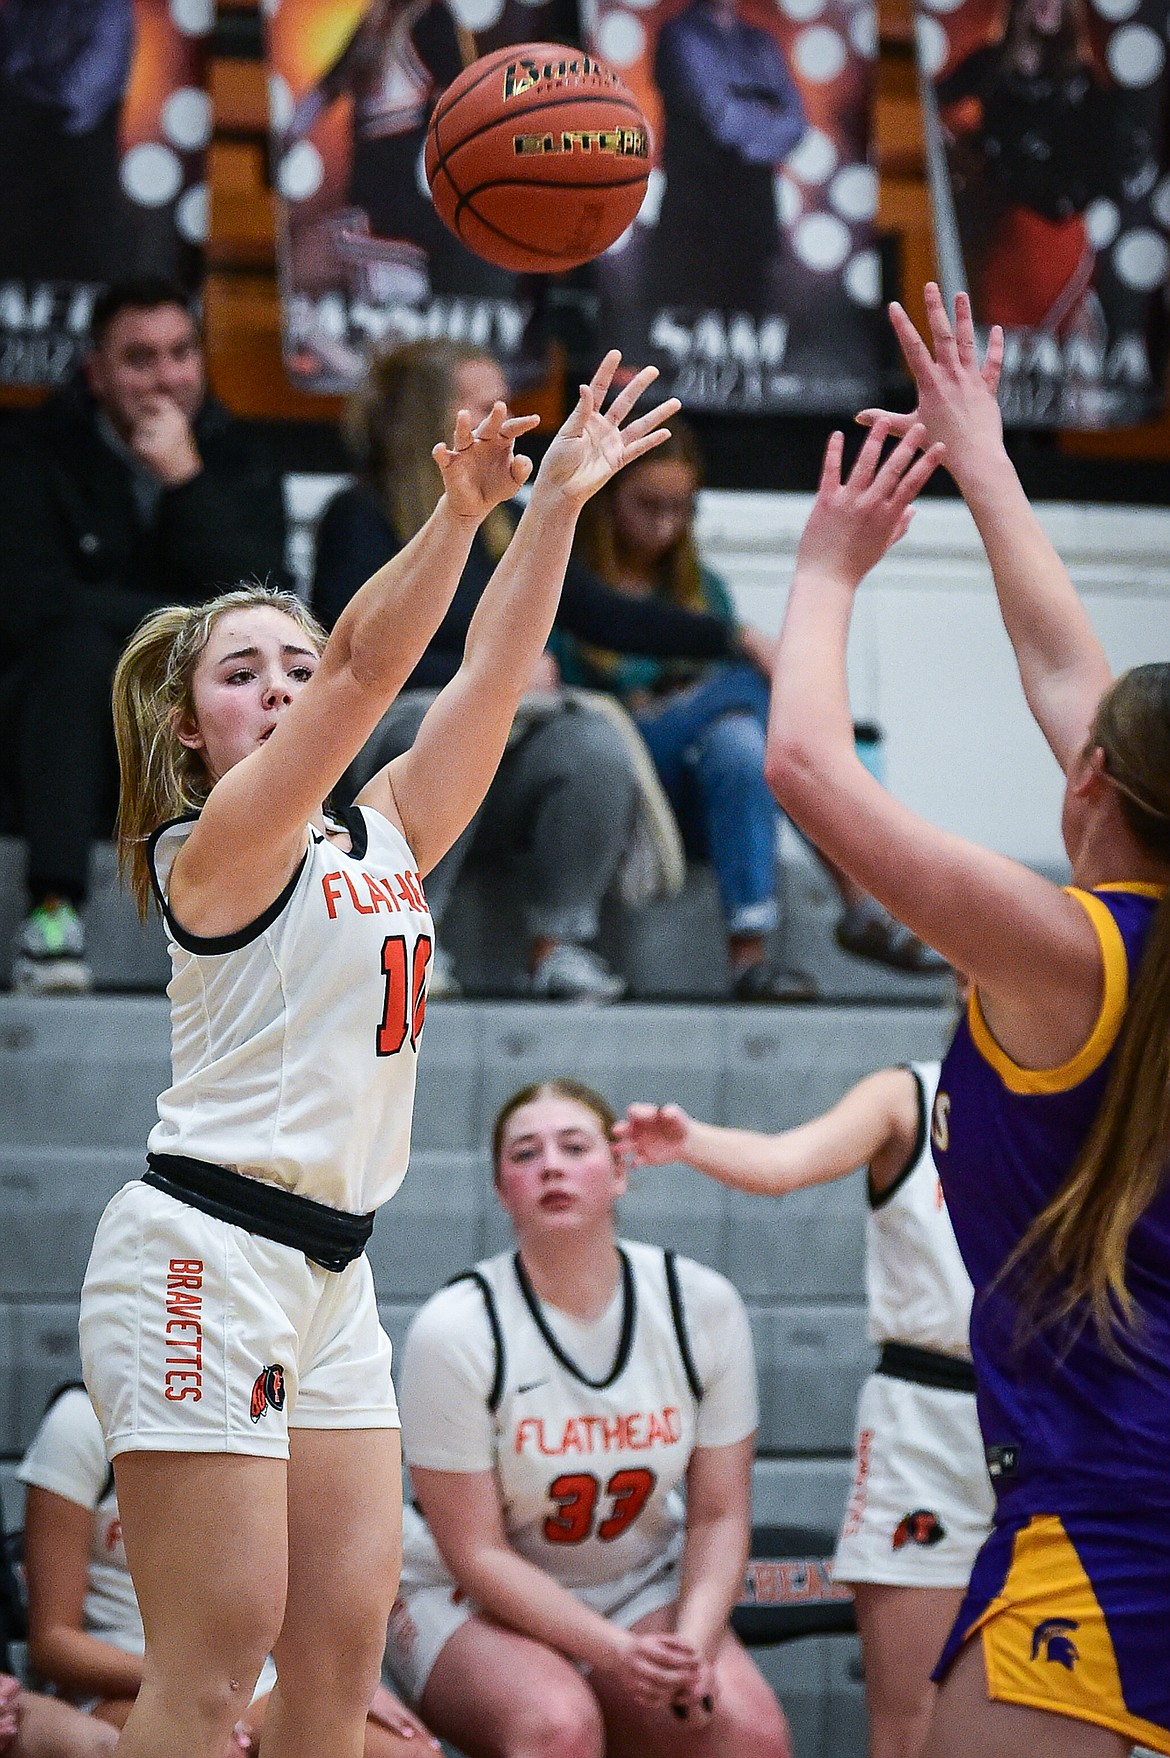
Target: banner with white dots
(365, 261)
(1048, 129)
(751, 276)
(104, 127)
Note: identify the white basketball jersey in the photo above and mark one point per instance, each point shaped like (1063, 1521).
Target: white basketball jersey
(294, 1043)
(918, 1290)
(589, 1468)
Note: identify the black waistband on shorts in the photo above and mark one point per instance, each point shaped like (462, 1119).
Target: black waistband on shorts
(925, 1367)
(329, 1237)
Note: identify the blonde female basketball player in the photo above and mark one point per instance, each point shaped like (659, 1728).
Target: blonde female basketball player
(561, 1601)
(1051, 1125)
(229, 1333)
(921, 1501)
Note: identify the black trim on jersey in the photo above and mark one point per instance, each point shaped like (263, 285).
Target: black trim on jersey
(330, 1237)
(925, 1367)
(879, 1198)
(496, 1391)
(210, 945)
(352, 820)
(55, 1397)
(678, 1314)
(625, 1341)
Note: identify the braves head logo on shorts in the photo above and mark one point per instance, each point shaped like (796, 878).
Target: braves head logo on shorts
(920, 1527)
(268, 1391)
(1052, 1640)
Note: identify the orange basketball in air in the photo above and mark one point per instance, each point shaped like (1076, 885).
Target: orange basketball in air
(537, 157)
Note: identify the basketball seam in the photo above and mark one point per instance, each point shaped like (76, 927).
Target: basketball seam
(519, 243)
(445, 153)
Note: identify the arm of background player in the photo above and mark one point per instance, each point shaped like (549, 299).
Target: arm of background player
(1062, 663)
(874, 1125)
(57, 1538)
(717, 1543)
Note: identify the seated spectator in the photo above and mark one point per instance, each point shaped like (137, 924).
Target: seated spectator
(85, 1634)
(32, 1725)
(135, 489)
(560, 808)
(705, 724)
(562, 1598)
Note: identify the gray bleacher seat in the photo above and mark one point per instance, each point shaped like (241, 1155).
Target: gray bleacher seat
(810, 1246)
(47, 1354)
(433, 1228)
(51, 1200)
(84, 1072)
(811, 1362)
(123, 952)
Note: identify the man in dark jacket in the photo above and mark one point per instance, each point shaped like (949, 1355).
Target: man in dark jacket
(128, 491)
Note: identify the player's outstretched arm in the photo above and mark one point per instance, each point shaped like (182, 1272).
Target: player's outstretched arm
(1018, 936)
(250, 834)
(1062, 664)
(716, 1547)
(874, 1125)
(437, 786)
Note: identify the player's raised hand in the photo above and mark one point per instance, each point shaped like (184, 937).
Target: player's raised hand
(856, 520)
(956, 390)
(652, 1135)
(480, 468)
(593, 445)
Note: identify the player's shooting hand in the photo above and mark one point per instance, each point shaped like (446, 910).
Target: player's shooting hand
(652, 1135)
(480, 468)
(956, 391)
(162, 439)
(386, 1709)
(592, 446)
(856, 520)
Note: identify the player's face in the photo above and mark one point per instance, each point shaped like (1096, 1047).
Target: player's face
(146, 356)
(256, 662)
(557, 1167)
(653, 504)
(478, 385)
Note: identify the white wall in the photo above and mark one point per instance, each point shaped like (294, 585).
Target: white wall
(929, 660)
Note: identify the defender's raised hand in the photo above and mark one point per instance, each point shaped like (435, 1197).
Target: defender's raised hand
(592, 446)
(956, 391)
(479, 468)
(856, 520)
(652, 1135)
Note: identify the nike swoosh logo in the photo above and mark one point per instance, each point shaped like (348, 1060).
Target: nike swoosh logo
(530, 1386)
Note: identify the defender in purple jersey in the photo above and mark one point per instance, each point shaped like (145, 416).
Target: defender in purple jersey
(1051, 1126)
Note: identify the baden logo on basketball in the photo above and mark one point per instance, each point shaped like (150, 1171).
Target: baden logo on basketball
(268, 1391)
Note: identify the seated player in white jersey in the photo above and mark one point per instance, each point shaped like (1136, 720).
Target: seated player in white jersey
(85, 1634)
(921, 1502)
(560, 1601)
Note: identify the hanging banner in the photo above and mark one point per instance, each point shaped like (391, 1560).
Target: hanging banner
(1046, 127)
(751, 276)
(364, 257)
(104, 124)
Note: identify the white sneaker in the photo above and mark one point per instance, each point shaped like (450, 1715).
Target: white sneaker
(570, 972)
(49, 954)
(443, 984)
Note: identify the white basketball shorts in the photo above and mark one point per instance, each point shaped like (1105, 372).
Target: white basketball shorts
(430, 1607)
(199, 1337)
(921, 1502)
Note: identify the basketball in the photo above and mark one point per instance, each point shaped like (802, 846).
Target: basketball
(537, 157)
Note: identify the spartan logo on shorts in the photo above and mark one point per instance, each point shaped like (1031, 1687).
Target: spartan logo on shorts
(268, 1391)
(1052, 1640)
(920, 1527)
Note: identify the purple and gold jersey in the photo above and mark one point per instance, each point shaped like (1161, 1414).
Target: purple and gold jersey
(1068, 1424)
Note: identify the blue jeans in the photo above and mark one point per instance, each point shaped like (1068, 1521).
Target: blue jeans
(707, 743)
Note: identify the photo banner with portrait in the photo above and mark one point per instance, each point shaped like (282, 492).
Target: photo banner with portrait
(751, 276)
(1047, 128)
(104, 126)
(365, 260)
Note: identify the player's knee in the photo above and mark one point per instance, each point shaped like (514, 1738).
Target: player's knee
(564, 1722)
(755, 1723)
(339, 1659)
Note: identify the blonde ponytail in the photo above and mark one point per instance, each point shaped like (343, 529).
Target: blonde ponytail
(160, 777)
